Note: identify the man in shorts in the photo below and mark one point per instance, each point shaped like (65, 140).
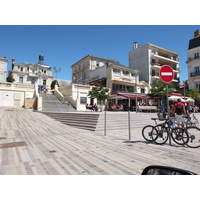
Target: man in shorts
(179, 110)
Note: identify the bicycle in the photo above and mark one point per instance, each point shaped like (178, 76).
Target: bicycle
(190, 126)
(159, 134)
(192, 121)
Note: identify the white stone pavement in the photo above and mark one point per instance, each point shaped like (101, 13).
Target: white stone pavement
(45, 146)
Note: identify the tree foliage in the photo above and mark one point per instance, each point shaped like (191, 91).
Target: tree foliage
(54, 82)
(194, 94)
(10, 77)
(159, 89)
(99, 92)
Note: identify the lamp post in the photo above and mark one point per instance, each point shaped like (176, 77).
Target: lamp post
(56, 70)
(184, 88)
(136, 82)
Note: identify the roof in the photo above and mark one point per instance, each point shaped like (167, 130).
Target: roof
(119, 65)
(195, 42)
(163, 48)
(110, 60)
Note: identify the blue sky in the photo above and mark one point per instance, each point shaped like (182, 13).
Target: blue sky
(63, 45)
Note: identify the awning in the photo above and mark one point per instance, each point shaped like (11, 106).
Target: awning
(176, 95)
(118, 97)
(133, 95)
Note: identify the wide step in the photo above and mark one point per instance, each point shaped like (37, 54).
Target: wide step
(78, 120)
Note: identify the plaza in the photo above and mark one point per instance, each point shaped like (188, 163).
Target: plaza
(32, 143)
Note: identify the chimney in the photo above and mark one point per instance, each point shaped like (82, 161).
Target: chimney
(197, 33)
(13, 63)
(135, 45)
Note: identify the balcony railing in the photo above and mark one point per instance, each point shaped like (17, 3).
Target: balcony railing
(174, 67)
(192, 74)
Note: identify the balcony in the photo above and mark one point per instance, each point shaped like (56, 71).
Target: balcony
(169, 58)
(194, 74)
(157, 64)
(193, 59)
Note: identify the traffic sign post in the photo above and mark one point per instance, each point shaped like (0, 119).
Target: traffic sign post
(166, 74)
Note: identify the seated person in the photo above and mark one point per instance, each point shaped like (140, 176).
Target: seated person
(121, 107)
(95, 108)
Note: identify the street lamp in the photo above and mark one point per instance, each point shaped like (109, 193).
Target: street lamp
(136, 82)
(184, 88)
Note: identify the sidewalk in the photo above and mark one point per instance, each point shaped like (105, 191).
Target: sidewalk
(33, 143)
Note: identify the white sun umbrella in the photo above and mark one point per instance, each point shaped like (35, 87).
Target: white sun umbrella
(173, 98)
(189, 99)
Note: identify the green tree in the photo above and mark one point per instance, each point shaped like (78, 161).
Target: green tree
(10, 77)
(99, 93)
(54, 82)
(194, 94)
(159, 89)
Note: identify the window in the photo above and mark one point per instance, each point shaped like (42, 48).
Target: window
(196, 55)
(133, 74)
(143, 90)
(32, 80)
(21, 69)
(84, 75)
(21, 79)
(44, 82)
(122, 88)
(125, 73)
(116, 72)
(198, 86)
(197, 71)
(83, 100)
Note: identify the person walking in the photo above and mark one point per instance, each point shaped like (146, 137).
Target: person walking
(179, 111)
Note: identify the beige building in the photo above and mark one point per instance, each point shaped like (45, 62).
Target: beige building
(121, 80)
(149, 58)
(3, 68)
(193, 61)
(36, 73)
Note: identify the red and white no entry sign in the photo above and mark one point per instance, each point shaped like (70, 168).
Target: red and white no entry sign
(166, 73)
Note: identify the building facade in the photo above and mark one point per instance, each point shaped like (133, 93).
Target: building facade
(94, 70)
(193, 61)
(3, 68)
(119, 79)
(81, 70)
(149, 58)
(36, 73)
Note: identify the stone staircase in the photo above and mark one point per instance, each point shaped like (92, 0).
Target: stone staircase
(86, 121)
(94, 121)
(50, 103)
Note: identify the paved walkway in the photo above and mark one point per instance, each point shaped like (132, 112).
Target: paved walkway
(33, 143)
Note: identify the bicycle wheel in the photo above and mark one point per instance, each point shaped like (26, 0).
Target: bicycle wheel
(179, 136)
(195, 121)
(194, 137)
(162, 134)
(147, 133)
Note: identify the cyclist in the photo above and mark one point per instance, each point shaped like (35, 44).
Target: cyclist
(179, 111)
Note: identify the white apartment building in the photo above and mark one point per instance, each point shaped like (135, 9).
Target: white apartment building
(36, 73)
(3, 68)
(149, 58)
(193, 61)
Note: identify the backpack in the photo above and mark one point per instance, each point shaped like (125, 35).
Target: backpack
(179, 109)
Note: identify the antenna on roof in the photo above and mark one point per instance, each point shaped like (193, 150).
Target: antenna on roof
(56, 70)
